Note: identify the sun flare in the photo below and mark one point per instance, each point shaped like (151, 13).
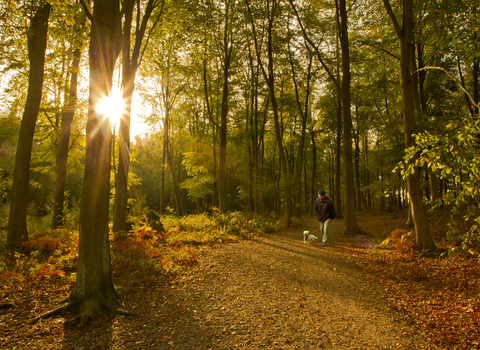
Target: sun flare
(111, 106)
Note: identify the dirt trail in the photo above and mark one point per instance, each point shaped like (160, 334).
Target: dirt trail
(275, 292)
(272, 292)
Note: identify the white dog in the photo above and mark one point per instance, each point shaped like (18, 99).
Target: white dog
(307, 236)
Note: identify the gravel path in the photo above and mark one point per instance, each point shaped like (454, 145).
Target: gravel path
(275, 292)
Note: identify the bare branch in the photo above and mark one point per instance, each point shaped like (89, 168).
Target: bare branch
(87, 11)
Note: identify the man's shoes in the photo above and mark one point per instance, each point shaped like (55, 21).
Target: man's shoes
(324, 244)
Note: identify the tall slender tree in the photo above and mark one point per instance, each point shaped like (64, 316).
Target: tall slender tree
(64, 143)
(272, 7)
(351, 226)
(227, 49)
(37, 35)
(131, 60)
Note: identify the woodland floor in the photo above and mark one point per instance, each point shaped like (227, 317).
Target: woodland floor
(268, 292)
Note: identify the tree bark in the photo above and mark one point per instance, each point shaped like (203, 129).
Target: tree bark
(304, 115)
(62, 157)
(270, 79)
(130, 64)
(405, 35)
(37, 35)
(222, 161)
(338, 162)
(94, 286)
(351, 226)
(314, 174)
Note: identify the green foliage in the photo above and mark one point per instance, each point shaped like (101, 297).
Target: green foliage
(216, 228)
(198, 185)
(137, 204)
(454, 157)
(4, 213)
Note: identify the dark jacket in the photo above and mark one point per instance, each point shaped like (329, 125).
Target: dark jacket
(324, 209)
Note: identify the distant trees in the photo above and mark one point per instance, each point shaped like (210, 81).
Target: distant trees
(254, 106)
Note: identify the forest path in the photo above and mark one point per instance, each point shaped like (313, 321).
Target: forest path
(269, 292)
(275, 292)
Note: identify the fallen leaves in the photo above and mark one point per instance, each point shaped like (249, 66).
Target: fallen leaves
(440, 296)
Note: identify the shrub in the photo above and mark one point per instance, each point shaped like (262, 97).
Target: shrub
(10, 278)
(453, 156)
(42, 244)
(403, 241)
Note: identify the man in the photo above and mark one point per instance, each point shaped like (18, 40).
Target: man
(325, 213)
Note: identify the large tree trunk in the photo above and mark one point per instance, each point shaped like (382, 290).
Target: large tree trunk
(351, 226)
(62, 157)
(94, 287)
(405, 35)
(37, 43)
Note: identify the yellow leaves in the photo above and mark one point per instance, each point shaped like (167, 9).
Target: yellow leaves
(11, 5)
(386, 242)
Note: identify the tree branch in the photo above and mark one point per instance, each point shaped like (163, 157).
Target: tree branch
(388, 7)
(317, 51)
(452, 77)
(87, 11)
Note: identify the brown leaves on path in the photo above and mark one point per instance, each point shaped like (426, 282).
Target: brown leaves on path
(439, 296)
(205, 305)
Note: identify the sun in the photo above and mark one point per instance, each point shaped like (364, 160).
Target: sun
(111, 106)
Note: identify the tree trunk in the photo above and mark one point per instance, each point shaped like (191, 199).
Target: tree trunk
(37, 43)
(162, 172)
(338, 163)
(270, 79)
(94, 286)
(128, 80)
(314, 174)
(351, 226)
(222, 164)
(304, 115)
(129, 72)
(356, 138)
(419, 213)
(173, 182)
(58, 219)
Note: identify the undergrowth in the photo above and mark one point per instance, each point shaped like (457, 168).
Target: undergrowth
(51, 255)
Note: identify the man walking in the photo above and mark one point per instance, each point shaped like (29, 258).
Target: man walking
(325, 213)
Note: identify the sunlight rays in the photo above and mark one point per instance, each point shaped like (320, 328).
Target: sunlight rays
(112, 107)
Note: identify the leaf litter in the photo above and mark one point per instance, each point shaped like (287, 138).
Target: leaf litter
(268, 292)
